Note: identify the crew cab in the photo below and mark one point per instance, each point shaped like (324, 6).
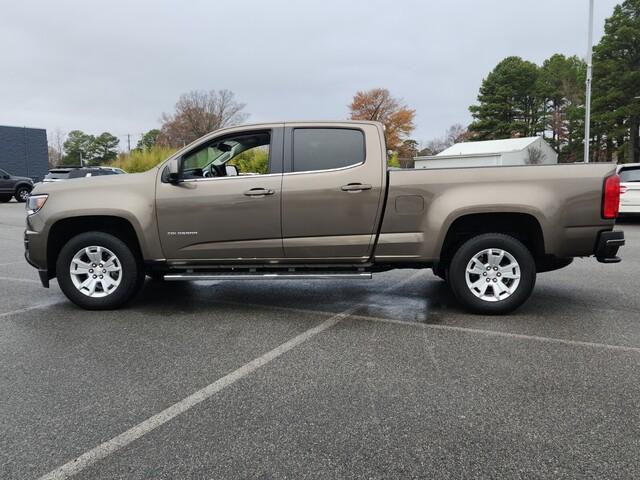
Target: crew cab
(310, 200)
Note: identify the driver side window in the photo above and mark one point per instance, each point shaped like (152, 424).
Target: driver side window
(242, 154)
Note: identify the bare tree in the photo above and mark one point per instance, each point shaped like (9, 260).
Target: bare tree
(455, 134)
(198, 113)
(56, 148)
(54, 156)
(535, 155)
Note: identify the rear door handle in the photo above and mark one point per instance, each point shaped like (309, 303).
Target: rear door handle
(355, 187)
(259, 192)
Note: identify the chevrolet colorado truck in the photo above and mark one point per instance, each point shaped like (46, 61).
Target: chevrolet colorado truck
(310, 200)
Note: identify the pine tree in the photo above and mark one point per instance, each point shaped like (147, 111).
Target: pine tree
(508, 102)
(616, 83)
(561, 92)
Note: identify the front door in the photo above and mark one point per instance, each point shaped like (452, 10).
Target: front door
(227, 205)
(331, 191)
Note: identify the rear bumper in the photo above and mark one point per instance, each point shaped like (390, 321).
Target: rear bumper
(608, 245)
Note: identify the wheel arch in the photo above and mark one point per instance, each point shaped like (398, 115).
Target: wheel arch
(65, 229)
(21, 184)
(522, 226)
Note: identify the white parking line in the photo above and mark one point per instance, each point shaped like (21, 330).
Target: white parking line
(14, 279)
(28, 309)
(111, 446)
(517, 336)
(13, 263)
(481, 331)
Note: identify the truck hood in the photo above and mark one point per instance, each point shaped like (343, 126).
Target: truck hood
(105, 185)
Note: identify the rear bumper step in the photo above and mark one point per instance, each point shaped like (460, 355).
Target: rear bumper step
(264, 276)
(608, 245)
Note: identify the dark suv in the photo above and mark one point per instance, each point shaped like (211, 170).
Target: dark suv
(12, 186)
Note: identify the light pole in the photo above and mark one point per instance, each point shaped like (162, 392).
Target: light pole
(587, 113)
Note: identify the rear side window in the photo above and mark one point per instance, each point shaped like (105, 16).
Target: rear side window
(326, 148)
(630, 174)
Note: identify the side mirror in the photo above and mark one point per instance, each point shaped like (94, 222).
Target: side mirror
(232, 170)
(173, 171)
(6, 177)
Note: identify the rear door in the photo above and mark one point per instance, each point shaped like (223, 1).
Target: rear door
(331, 190)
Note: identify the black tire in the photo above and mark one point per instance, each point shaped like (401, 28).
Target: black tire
(5, 198)
(467, 251)
(22, 193)
(130, 282)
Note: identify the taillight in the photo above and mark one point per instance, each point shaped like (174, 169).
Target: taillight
(611, 197)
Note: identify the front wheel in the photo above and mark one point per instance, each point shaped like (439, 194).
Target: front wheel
(97, 271)
(492, 273)
(22, 193)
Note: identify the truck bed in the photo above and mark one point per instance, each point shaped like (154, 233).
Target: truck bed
(422, 204)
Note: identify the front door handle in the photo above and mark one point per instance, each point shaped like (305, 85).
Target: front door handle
(355, 187)
(259, 192)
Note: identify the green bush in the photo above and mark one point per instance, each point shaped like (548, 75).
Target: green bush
(392, 161)
(142, 160)
(255, 160)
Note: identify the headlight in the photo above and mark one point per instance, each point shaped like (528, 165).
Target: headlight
(35, 203)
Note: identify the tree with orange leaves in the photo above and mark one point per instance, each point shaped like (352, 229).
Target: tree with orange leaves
(378, 104)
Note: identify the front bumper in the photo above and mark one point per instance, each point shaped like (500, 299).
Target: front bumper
(607, 246)
(31, 245)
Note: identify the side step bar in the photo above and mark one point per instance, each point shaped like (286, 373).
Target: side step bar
(263, 276)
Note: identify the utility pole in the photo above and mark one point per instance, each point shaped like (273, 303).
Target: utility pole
(129, 142)
(587, 112)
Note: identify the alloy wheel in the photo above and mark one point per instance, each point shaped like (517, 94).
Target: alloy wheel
(95, 271)
(493, 275)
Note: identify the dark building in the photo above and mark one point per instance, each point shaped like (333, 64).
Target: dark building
(23, 151)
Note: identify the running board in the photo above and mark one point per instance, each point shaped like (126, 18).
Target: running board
(262, 276)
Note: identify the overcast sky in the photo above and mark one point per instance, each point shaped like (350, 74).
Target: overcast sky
(116, 66)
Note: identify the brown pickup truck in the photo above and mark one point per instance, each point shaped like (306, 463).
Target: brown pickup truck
(313, 200)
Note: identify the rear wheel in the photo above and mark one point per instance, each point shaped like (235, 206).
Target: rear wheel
(97, 271)
(22, 193)
(492, 273)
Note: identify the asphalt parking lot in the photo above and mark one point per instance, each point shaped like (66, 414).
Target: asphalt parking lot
(382, 378)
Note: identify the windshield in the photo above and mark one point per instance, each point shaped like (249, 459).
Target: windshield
(630, 174)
